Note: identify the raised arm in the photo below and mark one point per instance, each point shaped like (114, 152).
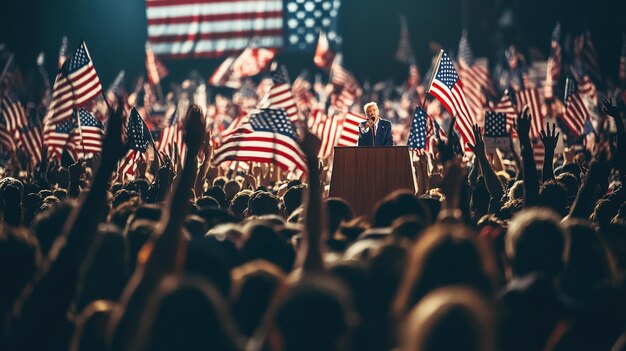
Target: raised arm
(494, 187)
(585, 199)
(48, 300)
(531, 179)
(613, 111)
(165, 253)
(549, 139)
(310, 251)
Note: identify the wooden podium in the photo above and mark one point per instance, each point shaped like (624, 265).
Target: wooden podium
(364, 175)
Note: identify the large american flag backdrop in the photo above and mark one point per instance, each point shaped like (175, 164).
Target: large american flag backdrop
(212, 28)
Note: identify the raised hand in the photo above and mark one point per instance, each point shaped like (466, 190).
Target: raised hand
(112, 146)
(609, 109)
(479, 144)
(549, 139)
(523, 124)
(310, 145)
(194, 129)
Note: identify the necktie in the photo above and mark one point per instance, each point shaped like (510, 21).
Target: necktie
(374, 131)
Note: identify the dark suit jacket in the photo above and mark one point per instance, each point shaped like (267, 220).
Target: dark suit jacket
(383, 134)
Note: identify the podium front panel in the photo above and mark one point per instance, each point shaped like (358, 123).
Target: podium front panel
(364, 175)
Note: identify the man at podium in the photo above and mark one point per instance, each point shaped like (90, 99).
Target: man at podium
(375, 131)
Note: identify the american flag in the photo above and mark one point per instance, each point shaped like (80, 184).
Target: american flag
(172, 135)
(280, 95)
(340, 76)
(575, 110)
(350, 131)
(324, 55)
(495, 124)
(345, 99)
(587, 53)
(13, 113)
(252, 61)
(56, 139)
(622, 60)
(329, 135)
(472, 71)
(554, 61)
(210, 28)
(6, 139)
(404, 52)
(530, 96)
(31, 139)
(138, 135)
(587, 88)
(507, 106)
(316, 122)
(87, 135)
(269, 137)
(154, 67)
(446, 86)
(418, 135)
(76, 84)
(225, 76)
(138, 139)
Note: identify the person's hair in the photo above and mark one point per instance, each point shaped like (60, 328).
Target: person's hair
(219, 181)
(570, 183)
(589, 264)
(60, 193)
(535, 242)
(293, 198)
(339, 211)
(254, 285)
(48, 224)
(516, 191)
(262, 203)
(445, 255)
(368, 105)
(262, 242)
(553, 195)
(408, 227)
(187, 313)
(239, 203)
(138, 233)
(451, 318)
(314, 314)
(396, 205)
(218, 194)
(231, 188)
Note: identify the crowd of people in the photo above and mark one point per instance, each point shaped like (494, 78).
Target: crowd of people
(487, 254)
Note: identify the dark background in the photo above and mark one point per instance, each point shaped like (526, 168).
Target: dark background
(115, 32)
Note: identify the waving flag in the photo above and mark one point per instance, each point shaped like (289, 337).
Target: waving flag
(154, 67)
(529, 96)
(330, 135)
(507, 106)
(350, 131)
(404, 52)
(31, 138)
(172, 135)
(417, 137)
(575, 110)
(87, 135)
(76, 84)
(252, 61)
(554, 61)
(62, 52)
(446, 87)
(324, 55)
(13, 113)
(586, 52)
(138, 139)
(211, 28)
(280, 95)
(269, 137)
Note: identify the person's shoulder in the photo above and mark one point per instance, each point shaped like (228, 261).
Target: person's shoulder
(385, 121)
